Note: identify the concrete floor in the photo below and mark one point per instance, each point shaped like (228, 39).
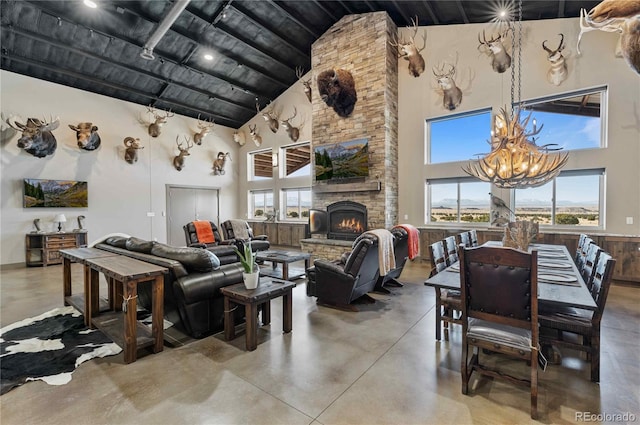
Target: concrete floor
(381, 365)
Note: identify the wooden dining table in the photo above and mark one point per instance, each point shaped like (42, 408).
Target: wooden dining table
(564, 294)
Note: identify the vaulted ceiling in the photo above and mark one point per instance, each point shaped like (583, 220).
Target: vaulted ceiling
(254, 46)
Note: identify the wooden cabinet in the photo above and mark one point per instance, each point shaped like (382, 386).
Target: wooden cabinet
(43, 249)
(282, 234)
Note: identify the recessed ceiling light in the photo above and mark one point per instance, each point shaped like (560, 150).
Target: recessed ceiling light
(208, 56)
(90, 4)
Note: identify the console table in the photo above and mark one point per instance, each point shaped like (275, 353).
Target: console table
(43, 249)
(127, 273)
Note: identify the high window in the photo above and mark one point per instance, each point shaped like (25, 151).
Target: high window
(296, 203)
(458, 137)
(297, 160)
(260, 165)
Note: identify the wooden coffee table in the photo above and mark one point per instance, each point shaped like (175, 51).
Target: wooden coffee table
(285, 258)
(252, 299)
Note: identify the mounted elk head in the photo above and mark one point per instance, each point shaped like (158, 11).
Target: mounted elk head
(452, 95)
(155, 127)
(293, 132)
(269, 116)
(131, 151)
(494, 47)
(558, 71)
(178, 161)
(87, 136)
(238, 137)
(220, 162)
(36, 138)
(257, 139)
(205, 128)
(616, 16)
(409, 51)
(305, 83)
(338, 90)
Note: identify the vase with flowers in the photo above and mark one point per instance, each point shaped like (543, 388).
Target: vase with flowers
(251, 274)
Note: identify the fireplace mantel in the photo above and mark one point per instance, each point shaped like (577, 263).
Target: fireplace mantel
(373, 186)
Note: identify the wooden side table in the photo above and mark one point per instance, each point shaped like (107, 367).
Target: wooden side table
(128, 272)
(251, 299)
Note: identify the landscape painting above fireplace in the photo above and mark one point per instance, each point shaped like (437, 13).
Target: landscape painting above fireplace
(344, 160)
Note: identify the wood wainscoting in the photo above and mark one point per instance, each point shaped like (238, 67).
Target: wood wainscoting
(625, 249)
(283, 234)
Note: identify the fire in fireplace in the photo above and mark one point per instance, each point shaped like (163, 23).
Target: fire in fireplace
(347, 220)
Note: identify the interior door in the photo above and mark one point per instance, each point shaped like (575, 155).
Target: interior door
(185, 204)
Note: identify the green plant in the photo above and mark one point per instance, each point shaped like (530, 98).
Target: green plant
(567, 219)
(247, 258)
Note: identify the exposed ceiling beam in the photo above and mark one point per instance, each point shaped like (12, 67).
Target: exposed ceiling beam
(326, 10)
(401, 11)
(295, 19)
(346, 6)
(561, 9)
(188, 36)
(370, 6)
(221, 119)
(462, 12)
(252, 92)
(251, 17)
(431, 13)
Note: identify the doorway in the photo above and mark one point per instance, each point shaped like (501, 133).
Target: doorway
(189, 203)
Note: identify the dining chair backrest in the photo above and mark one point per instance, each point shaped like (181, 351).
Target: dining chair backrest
(465, 239)
(590, 260)
(580, 245)
(583, 253)
(451, 249)
(602, 276)
(473, 234)
(488, 271)
(438, 257)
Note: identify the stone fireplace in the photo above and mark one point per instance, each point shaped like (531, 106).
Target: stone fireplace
(346, 220)
(361, 45)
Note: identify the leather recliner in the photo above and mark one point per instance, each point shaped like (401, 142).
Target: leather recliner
(258, 242)
(338, 284)
(401, 254)
(223, 249)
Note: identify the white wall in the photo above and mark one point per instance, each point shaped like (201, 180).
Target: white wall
(597, 66)
(120, 194)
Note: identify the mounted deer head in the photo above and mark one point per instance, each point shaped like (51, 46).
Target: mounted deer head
(254, 135)
(451, 93)
(494, 47)
(409, 51)
(269, 116)
(205, 128)
(305, 83)
(616, 16)
(178, 161)
(154, 127)
(219, 163)
(131, 152)
(293, 132)
(558, 71)
(238, 137)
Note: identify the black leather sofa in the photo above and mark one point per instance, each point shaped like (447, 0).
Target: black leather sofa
(223, 249)
(192, 297)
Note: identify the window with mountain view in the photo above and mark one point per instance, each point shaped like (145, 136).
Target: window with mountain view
(459, 201)
(296, 203)
(260, 203)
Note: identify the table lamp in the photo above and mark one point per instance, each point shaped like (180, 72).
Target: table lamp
(60, 218)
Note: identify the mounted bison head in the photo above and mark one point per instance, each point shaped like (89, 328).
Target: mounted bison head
(338, 90)
(36, 138)
(87, 135)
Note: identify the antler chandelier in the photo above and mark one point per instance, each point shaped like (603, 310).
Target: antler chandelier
(515, 161)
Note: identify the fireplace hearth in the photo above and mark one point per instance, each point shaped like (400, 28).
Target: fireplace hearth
(347, 220)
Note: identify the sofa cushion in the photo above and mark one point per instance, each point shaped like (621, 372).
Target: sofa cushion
(117, 241)
(139, 245)
(193, 259)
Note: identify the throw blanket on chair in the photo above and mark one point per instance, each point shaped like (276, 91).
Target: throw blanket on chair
(386, 256)
(240, 230)
(413, 240)
(204, 231)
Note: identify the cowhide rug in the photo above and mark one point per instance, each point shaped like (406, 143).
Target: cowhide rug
(49, 347)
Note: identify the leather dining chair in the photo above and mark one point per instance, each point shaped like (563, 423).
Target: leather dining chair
(584, 323)
(447, 300)
(507, 324)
